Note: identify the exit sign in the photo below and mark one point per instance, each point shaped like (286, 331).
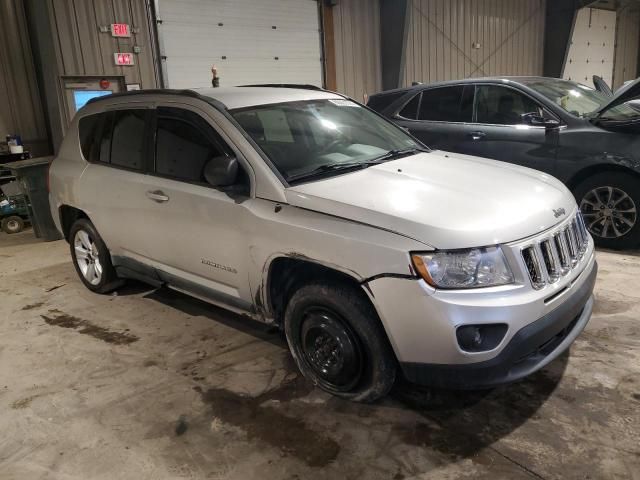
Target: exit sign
(120, 30)
(123, 58)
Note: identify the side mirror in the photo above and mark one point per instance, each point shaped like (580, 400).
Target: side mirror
(221, 171)
(536, 120)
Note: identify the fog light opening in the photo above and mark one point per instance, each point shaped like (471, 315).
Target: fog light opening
(480, 338)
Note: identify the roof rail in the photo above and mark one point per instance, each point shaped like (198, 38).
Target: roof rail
(155, 91)
(302, 86)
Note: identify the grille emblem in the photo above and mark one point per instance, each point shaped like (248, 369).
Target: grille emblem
(558, 212)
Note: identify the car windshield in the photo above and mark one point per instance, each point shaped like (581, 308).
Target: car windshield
(304, 139)
(580, 100)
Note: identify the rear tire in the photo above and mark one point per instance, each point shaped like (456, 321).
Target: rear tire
(610, 205)
(12, 224)
(91, 258)
(338, 343)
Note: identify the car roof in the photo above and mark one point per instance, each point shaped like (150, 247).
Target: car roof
(524, 80)
(233, 97)
(241, 97)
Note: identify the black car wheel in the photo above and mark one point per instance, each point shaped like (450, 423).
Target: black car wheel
(610, 203)
(13, 224)
(338, 342)
(91, 258)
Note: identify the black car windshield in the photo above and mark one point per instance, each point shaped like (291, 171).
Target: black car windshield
(580, 100)
(308, 138)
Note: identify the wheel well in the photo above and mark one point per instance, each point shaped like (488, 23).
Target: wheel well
(582, 175)
(68, 216)
(287, 274)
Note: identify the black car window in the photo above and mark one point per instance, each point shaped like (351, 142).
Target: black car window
(383, 100)
(410, 110)
(128, 139)
(89, 130)
(185, 142)
(445, 104)
(498, 105)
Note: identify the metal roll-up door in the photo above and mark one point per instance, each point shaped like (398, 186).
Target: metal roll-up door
(249, 41)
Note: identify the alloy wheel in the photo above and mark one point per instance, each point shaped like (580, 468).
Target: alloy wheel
(608, 212)
(87, 257)
(331, 349)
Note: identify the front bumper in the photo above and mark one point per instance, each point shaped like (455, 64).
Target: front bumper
(529, 350)
(421, 325)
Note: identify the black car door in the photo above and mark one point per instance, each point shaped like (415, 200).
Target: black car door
(500, 132)
(439, 117)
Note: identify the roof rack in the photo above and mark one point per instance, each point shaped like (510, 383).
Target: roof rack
(155, 91)
(301, 86)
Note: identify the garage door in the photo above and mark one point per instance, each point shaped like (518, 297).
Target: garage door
(249, 41)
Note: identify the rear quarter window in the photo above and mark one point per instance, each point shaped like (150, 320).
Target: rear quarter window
(89, 130)
(381, 101)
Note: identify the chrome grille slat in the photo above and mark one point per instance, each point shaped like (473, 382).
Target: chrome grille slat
(553, 256)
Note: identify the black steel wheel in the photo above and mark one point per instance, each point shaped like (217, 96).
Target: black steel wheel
(338, 342)
(331, 349)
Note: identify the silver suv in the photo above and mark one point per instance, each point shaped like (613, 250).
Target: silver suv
(304, 209)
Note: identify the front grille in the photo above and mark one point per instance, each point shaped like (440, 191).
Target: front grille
(550, 258)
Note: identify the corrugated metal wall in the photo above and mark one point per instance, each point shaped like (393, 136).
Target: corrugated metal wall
(357, 47)
(452, 39)
(20, 105)
(627, 43)
(84, 50)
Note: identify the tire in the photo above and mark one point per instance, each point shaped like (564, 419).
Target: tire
(12, 224)
(617, 227)
(338, 343)
(90, 254)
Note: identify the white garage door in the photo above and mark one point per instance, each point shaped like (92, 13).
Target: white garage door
(249, 41)
(592, 47)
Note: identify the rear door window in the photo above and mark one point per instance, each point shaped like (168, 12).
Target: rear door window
(447, 104)
(128, 139)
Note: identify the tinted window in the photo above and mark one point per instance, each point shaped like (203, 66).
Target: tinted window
(89, 129)
(185, 142)
(128, 139)
(382, 101)
(503, 106)
(410, 110)
(446, 104)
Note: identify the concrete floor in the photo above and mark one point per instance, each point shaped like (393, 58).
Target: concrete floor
(153, 384)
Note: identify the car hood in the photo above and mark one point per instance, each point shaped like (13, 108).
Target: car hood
(624, 94)
(443, 200)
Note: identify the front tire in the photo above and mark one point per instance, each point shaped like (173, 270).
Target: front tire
(91, 258)
(610, 204)
(338, 343)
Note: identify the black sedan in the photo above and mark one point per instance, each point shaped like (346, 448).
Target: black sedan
(585, 138)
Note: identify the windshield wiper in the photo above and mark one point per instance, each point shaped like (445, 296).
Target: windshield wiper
(330, 167)
(393, 154)
(340, 166)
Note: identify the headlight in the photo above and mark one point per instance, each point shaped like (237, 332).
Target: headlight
(476, 267)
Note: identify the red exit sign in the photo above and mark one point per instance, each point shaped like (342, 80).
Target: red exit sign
(123, 58)
(120, 30)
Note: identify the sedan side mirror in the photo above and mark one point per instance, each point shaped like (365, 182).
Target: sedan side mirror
(221, 171)
(535, 120)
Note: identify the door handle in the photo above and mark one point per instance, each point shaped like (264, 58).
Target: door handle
(158, 196)
(477, 135)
